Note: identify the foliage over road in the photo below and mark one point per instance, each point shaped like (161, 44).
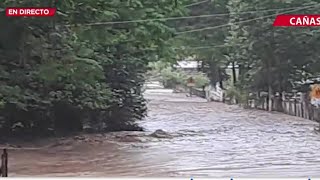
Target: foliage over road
(66, 73)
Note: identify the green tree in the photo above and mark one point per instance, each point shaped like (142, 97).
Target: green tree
(209, 42)
(271, 58)
(78, 70)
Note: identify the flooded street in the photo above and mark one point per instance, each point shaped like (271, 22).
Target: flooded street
(206, 139)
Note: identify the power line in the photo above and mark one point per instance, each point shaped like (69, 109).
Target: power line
(184, 17)
(197, 3)
(202, 47)
(193, 47)
(244, 21)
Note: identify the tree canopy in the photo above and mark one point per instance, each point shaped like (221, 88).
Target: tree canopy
(267, 56)
(78, 70)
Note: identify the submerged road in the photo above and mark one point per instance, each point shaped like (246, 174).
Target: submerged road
(208, 139)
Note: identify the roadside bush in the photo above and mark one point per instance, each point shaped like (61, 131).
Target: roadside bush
(236, 94)
(170, 78)
(201, 80)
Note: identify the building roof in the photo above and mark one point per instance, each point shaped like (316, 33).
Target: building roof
(191, 64)
(187, 64)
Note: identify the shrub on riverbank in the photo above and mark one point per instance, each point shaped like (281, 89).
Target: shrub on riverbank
(235, 94)
(171, 77)
(201, 80)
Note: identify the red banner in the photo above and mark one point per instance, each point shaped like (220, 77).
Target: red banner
(31, 12)
(297, 20)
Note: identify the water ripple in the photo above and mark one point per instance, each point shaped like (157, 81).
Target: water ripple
(209, 139)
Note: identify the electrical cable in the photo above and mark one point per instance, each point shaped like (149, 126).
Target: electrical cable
(196, 3)
(244, 21)
(185, 17)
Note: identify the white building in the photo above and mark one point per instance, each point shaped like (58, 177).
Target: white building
(188, 65)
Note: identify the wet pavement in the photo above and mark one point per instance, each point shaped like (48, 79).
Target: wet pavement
(209, 139)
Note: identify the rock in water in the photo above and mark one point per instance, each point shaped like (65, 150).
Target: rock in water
(159, 133)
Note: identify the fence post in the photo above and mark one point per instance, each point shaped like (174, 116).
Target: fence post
(270, 96)
(295, 107)
(295, 102)
(303, 105)
(283, 102)
(4, 163)
(207, 92)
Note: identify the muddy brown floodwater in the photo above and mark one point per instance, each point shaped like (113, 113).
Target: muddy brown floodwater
(207, 139)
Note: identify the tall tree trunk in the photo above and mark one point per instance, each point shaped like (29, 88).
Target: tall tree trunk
(221, 85)
(220, 78)
(198, 66)
(213, 73)
(202, 66)
(234, 74)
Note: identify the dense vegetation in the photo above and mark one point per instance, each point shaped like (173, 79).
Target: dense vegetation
(273, 59)
(270, 59)
(171, 76)
(72, 72)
